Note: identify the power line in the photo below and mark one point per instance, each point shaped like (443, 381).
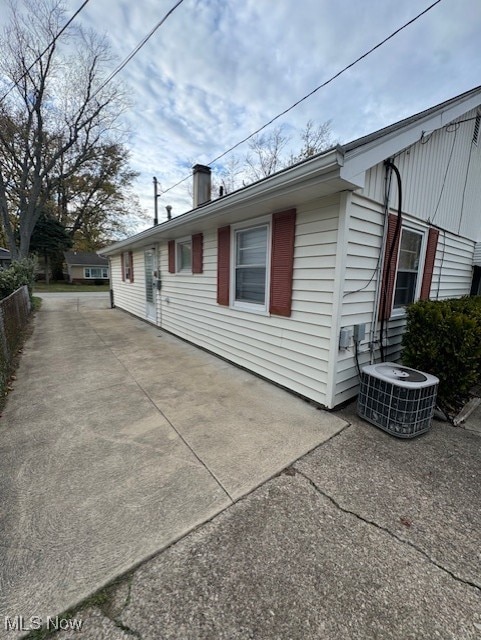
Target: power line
(40, 56)
(138, 48)
(311, 93)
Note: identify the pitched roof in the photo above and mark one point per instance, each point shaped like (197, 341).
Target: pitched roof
(340, 163)
(358, 142)
(85, 259)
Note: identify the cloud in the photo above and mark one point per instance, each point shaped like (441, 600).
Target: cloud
(216, 71)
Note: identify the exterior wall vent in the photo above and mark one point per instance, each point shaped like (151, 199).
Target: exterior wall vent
(476, 128)
(397, 399)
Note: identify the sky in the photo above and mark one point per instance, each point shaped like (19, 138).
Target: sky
(217, 70)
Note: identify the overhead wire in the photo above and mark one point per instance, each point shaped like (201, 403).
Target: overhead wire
(448, 164)
(40, 56)
(311, 93)
(133, 53)
(465, 185)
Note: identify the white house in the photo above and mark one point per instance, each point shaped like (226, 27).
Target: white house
(277, 277)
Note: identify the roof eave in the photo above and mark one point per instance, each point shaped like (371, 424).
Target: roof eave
(326, 164)
(361, 156)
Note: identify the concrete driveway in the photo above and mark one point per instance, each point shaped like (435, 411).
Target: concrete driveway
(116, 441)
(367, 537)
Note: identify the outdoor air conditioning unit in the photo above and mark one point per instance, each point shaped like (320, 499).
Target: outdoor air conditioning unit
(397, 399)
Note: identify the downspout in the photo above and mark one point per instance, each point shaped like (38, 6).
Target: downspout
(111, 289)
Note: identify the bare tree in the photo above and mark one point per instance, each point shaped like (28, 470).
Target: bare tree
(265, 154)
(229, 176)
(55, 110)
(315, 138)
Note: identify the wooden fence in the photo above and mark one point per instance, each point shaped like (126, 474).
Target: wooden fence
(14, 312)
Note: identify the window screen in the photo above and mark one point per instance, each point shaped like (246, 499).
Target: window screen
(408, 268)
(250, 266)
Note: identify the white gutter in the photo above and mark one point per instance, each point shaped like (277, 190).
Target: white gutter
(306, 171)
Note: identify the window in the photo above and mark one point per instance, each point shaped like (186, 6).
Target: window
(250, 266)
(255, 264)
(408, 268)
(128, 266)
(184, 255)
(96, 272)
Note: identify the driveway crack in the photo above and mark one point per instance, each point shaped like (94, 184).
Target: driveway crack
(127, 630)
(414, 546)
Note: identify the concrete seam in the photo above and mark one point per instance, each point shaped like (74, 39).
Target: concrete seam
(165, 417)
(211, 473)
(386, 530)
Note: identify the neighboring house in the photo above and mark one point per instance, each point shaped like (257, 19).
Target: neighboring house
(271, 276)
(86, 267)
(5, 258)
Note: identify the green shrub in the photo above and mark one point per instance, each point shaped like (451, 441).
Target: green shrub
(16, 275)
(444, 338)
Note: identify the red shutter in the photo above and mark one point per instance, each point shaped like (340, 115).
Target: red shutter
(282, 262)
(131, 259)
(197, 253)
(429, 263)
(171, 246)
(122, 264)
(389, 271)
(223, 265)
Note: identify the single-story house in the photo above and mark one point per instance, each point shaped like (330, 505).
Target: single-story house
(297, 275)
(5, 258)
(85, 267)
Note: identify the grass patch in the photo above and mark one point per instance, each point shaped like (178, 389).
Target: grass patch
(101, 600)
(36, 303)
(66, 287)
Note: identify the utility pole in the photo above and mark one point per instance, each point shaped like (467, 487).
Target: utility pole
(156, 197)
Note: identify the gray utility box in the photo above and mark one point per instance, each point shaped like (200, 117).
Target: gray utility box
(397, 399)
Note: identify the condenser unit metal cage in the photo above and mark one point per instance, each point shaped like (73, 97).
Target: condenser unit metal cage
(397, 399)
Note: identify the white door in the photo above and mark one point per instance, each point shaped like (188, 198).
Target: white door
(150, 284)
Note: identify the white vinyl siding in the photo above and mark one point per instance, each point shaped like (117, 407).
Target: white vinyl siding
(130, 295)
(440, 178)
(451, 278)
(291, 351)
(477, 254)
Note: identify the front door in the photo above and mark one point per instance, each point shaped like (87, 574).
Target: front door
(150, 292)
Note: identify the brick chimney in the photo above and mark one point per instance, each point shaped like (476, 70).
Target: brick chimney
(202, 184)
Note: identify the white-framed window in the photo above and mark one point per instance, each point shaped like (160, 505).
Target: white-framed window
(96, 272)
(183, 254)
(409, 268)
(250, 262)
(127, 266)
